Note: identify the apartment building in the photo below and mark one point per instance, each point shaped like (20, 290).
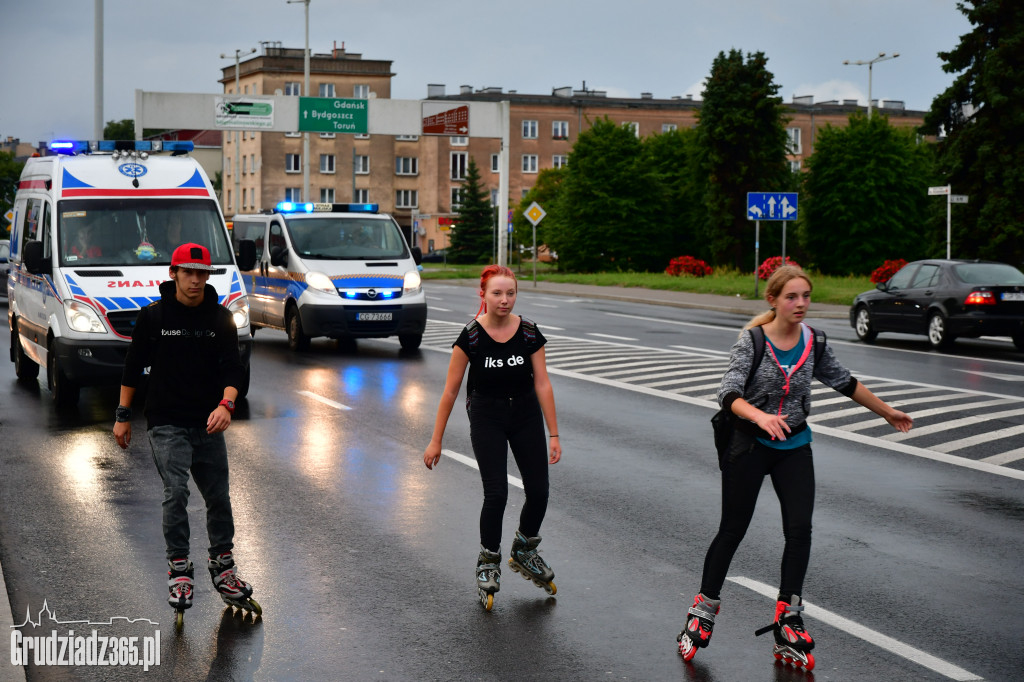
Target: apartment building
(419, 178)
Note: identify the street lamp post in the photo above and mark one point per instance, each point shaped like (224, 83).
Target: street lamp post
(238, 155)
(305, 136)
(870, 63)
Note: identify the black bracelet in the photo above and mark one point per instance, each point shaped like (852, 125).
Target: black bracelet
(123, 414)
(553, 436)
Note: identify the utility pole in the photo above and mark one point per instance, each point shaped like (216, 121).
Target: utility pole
(870, 63)
(305, 136)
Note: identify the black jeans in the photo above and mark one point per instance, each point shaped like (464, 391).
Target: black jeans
(494, 425)
(792, 474)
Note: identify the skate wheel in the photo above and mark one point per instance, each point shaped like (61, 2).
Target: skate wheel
(179, 619)
(254, 606)
(810, 662)
(686, 649)
(550, 588)
(488, 602)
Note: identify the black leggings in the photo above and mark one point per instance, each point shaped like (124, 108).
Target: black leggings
(494, 425)
(792, 473)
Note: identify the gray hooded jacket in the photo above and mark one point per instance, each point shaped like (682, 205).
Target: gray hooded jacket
(767, 390)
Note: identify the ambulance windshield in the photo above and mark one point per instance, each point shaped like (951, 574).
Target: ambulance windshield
(333, 237)
(121, 232)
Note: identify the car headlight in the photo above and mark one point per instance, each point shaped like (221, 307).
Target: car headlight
(239, 309)
(82, 318)
(411, 284)
(321, 282)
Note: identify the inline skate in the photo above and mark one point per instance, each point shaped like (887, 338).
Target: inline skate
(700, 622)
(526, 561)
(488, 576)
(180, 583)
(233, 590)
(793, 643)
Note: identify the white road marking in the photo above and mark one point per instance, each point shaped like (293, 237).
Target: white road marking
(1006, 457)
(325, 401)
(543, 305)
(848, 626)
(470, 462)
(993, 375)
(442, 310)
(609, 336)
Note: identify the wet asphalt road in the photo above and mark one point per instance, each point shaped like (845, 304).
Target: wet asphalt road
(362, 559)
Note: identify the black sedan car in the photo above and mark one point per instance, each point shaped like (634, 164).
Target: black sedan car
(945, 299)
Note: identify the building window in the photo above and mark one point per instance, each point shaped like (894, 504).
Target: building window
(459, 141)
(560, 130)
(228, 166)
(252, 163)
(456, 197)
(293, 194)
(529, 130)
(245, 164)
(794, 140)
(362, 196)
(327, 136)
(244, 203)
(529, 163)
(495, 163)
(326, 195)
(362, 164)
(559, 161)
(406, 198)
(327, 89)
(327, 163)
(362, 136)
(292, 88)
(668, 127)
(407, 138)
(459, 163)
(794, 166)
(295, 134)
(634, 126)
(361, 92)
(293, 163)
(407, 165)
(231, 206)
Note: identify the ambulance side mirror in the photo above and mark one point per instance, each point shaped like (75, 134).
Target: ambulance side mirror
(33, 257)
(279, 256)
(246, 254)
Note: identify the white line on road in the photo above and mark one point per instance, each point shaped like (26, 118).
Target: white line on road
(993, 375)
(609, 336)
(325, 401)
(542, 305)
(442, 310)
(867, 634)
(470, 462)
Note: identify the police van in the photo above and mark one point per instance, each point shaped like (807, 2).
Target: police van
(91, 241)
(343, 271)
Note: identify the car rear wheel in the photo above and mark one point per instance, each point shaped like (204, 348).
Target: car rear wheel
(862, 325)
(938, 331)
(297, 339)
(24, 366)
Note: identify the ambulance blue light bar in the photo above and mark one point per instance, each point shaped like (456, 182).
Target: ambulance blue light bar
(297, 207)
(84, 146)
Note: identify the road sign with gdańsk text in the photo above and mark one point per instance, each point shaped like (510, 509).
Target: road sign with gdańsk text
(771, 205)
(333, 115)
(439, 121)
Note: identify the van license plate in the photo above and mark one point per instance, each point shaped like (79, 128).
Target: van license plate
(1009, 296)
(373, 317)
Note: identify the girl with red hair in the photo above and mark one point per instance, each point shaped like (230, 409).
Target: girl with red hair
(509, 401)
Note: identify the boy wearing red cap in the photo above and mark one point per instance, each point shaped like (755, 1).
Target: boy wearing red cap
(190, 343)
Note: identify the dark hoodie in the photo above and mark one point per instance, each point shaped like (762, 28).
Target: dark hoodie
(192, 353)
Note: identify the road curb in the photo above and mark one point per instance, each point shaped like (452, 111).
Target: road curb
(8, 671)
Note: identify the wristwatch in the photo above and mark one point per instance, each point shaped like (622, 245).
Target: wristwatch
(229, 404)
(123, 414)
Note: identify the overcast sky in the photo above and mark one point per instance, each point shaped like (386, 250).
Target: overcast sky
(660, 46)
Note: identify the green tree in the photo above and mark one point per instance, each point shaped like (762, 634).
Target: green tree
(742, 143)
(672, 156)
(473, 236)
(10, 173)
(864, 200)
(609, 213)
(119, 130)
(981, 115)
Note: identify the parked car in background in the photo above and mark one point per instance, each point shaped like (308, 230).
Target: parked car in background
(944, 299)
(5, 265)
(437, 256)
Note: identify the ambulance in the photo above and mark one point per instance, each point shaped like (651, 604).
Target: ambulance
(342, 271)
(91, 241)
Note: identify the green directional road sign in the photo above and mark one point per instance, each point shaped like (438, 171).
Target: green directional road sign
(333, 115)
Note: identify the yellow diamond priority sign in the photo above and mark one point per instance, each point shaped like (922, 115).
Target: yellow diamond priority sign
(535, 213)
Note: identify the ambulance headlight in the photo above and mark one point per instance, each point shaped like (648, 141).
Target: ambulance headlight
(412, 283)
(320, 282)
(239, 309)
(82, 318)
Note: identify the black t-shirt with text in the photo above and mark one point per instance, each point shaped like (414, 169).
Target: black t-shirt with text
(500, 369)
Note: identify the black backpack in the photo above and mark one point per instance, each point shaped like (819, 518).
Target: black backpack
(473, 329)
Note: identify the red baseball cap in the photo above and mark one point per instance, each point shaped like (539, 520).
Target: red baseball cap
(193, 256)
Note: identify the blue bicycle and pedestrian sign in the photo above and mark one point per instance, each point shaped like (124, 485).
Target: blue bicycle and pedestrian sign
(771, 205)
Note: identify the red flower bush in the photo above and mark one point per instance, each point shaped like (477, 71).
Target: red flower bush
(770, 265)
(687, 265)
(886, 270)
